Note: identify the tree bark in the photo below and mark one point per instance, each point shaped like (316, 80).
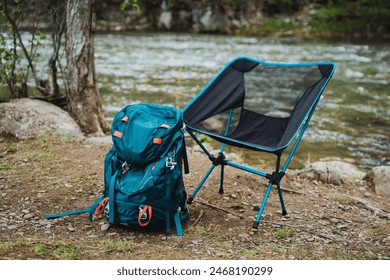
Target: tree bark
(82, 92)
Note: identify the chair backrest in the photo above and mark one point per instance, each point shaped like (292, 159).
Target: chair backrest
(285, 92)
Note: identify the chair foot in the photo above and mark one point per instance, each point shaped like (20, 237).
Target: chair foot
(189, 200)
(221, 191)
(255, 225)
(284, 212)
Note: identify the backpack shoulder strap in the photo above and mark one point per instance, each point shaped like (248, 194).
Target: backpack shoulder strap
(184, 156)
(75, 212)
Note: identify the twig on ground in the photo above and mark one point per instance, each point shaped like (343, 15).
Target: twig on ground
(292, 191)
(219, 208)
(197, 219)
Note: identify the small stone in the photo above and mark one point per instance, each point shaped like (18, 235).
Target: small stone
(29, 216)
(334, 220)
(12, 227)
(92, 236)
(25, 211)
(71, 229)
(367, 194)
(234, 196)
(105, 227)
(310, 239)
(195, 242)
(342, 227)
(163, 238)
(220, 254)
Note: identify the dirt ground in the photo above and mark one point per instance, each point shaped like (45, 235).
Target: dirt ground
(50, 175)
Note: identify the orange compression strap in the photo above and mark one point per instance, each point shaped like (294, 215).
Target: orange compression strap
(125, 119)
(100, 208)
(118, 134)
(157, 141)
(146, 210)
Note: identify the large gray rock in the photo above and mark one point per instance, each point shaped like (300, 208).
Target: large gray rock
(379, 179)
(333, 172)
(29, 118)
(211, 20)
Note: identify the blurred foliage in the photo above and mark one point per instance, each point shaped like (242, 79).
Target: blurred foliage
(367, 17)
(273, 7)
(133, 4)
(14, 72)
(273, 28)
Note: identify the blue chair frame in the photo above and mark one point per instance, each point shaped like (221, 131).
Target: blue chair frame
(274, 178)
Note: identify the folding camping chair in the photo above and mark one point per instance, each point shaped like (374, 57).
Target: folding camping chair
(258, 106)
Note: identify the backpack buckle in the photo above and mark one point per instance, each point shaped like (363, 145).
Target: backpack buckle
(169, 163)
(125, 167)
(145, 215)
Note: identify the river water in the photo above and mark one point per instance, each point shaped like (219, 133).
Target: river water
(351, 121)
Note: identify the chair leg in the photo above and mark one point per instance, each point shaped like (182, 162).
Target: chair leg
(192, 196)
(284, 211)
(266, 195)
(221, 180)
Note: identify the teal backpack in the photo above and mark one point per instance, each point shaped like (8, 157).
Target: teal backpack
(143, 182)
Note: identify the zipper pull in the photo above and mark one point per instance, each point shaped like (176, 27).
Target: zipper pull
(169, 163)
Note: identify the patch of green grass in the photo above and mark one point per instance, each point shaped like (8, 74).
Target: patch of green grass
(8, 246)
(342, 256)
(249, 253)
(10, 148)
(284, 233)
(197, 229)
(40, 249)
(222, 244)
(335, 230)
(125, 246)
(4, 166)
(66, 251)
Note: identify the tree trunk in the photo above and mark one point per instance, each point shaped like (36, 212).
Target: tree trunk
(84, 100)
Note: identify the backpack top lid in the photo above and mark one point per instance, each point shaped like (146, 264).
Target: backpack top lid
(142, 133)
